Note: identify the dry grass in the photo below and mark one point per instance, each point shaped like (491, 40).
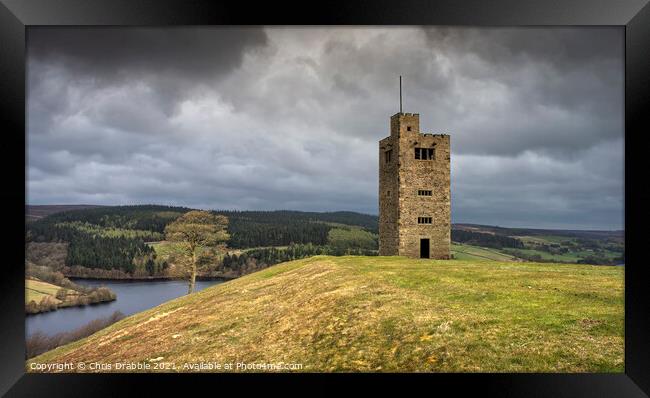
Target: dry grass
(383, 314)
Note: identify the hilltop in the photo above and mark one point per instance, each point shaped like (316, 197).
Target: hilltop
(356, 313)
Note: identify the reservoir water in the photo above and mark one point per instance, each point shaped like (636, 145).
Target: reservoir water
(132, 297)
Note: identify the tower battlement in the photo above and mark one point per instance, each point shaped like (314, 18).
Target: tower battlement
(405, 114)
(435, 134)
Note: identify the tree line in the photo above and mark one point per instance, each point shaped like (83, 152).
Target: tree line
(114, 238)
(108, 253)
(284, 227)
(91, 249)
(152, 218)
(255, 259)
(485, 240)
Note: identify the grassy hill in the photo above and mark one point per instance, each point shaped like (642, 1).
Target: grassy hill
(461, 251)
(37, 290)
(382, 314)
(43, 296)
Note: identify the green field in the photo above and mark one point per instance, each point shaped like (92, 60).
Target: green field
(462, 251)
(382, 314)
(110, 232)
(37, 290)
(545, 239)
(567, 257)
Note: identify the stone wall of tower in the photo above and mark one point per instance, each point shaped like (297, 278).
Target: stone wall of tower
(399, 183)
(388, 195)
(433, 175)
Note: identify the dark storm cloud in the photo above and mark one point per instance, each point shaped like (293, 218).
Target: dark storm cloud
(561, 89)
(128, 53)
(254, 118)
(171, 61)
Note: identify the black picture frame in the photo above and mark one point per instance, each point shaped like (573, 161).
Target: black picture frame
(634, 15)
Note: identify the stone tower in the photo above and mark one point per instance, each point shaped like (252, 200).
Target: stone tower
(414, 191)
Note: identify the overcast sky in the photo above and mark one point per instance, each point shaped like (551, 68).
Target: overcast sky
(290, 118)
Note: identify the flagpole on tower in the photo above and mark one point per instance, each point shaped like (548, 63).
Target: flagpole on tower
(400, 94)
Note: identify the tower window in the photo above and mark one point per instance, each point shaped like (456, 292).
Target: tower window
(424, 153)
(424, 192)
(408, 128)
(387, 155)
(425, 220)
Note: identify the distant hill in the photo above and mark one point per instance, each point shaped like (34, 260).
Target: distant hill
(551, 245)
(112, 237)
(378, 314)
(120, 237)
(506, 231)
(36, 212)
(367, 221)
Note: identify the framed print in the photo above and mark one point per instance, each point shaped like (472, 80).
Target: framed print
(384, 193)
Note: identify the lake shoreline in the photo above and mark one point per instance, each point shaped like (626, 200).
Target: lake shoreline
(131, 297)
(63, 307)
(42, 296)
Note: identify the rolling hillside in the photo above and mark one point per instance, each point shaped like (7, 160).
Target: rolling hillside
(37, 290)
(461, 251)
(357, 313)
(43, 295)
(115, 239)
